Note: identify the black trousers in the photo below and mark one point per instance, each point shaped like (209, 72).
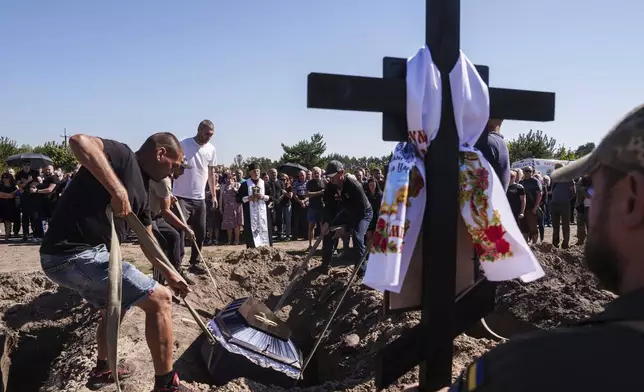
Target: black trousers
(195, 213)
(33, 219)
(170, 241)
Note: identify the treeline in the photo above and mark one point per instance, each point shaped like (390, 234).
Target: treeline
(312, 152)
(60, 154)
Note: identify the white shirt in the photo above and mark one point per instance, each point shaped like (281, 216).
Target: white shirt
(192, 183)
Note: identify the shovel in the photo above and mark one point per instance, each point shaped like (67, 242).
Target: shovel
(115, 278)
(183, 219)
(300, 270)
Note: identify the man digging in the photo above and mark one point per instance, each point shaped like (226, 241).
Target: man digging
(74, 252)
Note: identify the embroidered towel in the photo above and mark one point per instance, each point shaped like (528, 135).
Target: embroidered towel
(502, 250)
(404, 197)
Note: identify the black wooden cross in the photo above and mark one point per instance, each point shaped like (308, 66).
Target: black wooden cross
(430, 343)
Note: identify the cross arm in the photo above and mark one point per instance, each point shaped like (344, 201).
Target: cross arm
(388, 95)
(369, 94)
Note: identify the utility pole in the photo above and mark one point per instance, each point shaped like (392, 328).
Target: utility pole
(64, 136)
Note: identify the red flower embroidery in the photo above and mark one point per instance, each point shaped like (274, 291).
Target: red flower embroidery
(383, 245)
(487, 231)
(381, 224)
(479, 249)
(502, 246)
(377, 237)
(494, 233)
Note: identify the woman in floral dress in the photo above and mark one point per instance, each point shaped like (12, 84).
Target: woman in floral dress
(233, 217)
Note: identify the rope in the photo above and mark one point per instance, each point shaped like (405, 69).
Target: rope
(115, 292)
(337, 306)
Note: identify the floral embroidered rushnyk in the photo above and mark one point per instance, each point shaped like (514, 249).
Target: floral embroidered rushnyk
(487, 231)
(501, 248)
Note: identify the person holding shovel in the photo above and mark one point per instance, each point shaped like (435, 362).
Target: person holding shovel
(356, 211)
(74, 252)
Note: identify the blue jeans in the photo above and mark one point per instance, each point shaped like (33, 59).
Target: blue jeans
(360, 231)
(86, 273)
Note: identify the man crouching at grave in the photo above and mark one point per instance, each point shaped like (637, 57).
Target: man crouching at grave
(356, 212)
(74, 252)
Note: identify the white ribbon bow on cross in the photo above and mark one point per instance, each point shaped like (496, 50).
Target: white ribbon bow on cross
(502, 250)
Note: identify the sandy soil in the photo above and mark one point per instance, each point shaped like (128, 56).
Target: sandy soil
(50, 331)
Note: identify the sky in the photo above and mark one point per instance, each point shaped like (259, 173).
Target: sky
(126, 69)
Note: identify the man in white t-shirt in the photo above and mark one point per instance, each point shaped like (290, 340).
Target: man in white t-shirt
(190, 187)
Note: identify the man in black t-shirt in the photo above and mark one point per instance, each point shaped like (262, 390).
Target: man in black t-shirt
(356, 211)
(534, 191)
(516, 197)
(75, 253)
(49, 191)
(23, 178)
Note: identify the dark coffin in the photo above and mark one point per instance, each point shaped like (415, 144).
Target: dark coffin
(252, 343)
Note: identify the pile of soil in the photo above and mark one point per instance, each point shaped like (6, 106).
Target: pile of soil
(345, 360)
(567, 294)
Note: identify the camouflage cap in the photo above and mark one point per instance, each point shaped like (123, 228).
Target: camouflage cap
(621, 149)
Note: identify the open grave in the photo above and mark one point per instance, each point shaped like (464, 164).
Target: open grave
(48, 332)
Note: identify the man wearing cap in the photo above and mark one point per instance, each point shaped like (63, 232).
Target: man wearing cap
(356, 210)
(603, 353)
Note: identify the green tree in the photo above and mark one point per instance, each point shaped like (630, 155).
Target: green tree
(534, 144)
(61, 156)
(25, 148)
(565, 154)
(307, 153)
(263, 162)
(8, 147)
(584, 149)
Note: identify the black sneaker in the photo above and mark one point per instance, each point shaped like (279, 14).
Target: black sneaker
(197, 269)
(175, 387)
(99, 379)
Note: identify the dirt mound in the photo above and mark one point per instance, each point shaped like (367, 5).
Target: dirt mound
(38, 318)
(567, 294)
(59, 326)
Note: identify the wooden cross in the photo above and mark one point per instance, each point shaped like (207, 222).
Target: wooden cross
(431, 342)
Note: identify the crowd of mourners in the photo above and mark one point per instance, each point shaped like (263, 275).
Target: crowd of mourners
(537, 203)
(28, 198)
(295, 203)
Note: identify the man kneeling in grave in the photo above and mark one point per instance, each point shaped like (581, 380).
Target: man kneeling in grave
(354, 208)
(74, 252)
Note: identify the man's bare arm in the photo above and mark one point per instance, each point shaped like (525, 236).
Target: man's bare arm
(537, 202)
(169, 215)
(523, 201)
(89, 151)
